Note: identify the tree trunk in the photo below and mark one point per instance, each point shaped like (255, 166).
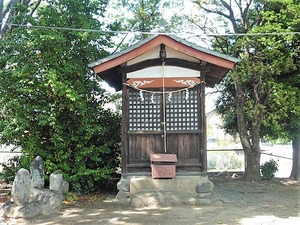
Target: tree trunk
(252, 164)
(250, 142)
(295, 174)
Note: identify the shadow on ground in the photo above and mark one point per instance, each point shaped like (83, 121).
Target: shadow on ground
(234, 202)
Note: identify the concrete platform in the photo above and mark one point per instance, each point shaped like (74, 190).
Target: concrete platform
(186, 184)
(145, 191)
(162, 199)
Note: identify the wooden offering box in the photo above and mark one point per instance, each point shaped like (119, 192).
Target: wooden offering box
(163, 165)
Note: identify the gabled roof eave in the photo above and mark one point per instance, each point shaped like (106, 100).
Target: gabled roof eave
(172, 41)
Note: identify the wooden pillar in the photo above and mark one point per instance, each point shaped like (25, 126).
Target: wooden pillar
(124, 134)
(203, 122)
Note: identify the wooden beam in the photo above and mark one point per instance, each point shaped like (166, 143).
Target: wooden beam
(170, 82)
(203, 56)
(129, 55)
(157, 62)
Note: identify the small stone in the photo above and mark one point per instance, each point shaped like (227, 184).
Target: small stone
(37, 173)
(191, 201)
(65, 187)
(21, 187)
(205, 187)
(234, 176)
(56, 182)
(50, 200)
(28, 211)
(122, 195)
(5, 209)
(123, 185)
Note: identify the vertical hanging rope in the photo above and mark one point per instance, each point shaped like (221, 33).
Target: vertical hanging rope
(164, 108)
(163, 55)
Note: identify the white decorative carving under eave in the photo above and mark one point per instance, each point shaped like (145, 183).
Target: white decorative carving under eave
(141, 83)
(186, 82)
(163, 71)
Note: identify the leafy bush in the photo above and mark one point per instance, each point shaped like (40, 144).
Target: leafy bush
(51, 104)
(268, 169)
(11, 167)
(71, 197)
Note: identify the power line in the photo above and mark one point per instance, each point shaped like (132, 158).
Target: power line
(29, 26)
(255, 34)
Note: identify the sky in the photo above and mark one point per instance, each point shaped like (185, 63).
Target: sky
(187, 9)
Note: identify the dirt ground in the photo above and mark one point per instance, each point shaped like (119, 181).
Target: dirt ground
(233, 202)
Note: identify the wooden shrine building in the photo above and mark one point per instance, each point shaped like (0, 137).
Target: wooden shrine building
(163, 81)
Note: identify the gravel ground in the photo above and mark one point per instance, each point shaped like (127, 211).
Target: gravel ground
(234, 202)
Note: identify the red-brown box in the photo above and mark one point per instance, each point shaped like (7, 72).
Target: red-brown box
(163, 165)
(163, 171)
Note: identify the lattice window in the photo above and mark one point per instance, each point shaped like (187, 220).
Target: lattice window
(182, 111)
(144, 111)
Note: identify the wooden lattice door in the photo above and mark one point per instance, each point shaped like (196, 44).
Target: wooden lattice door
(155, 126)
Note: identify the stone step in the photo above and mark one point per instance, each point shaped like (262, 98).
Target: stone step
(165, 199)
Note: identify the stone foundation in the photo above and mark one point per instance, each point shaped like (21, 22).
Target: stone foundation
(145, 191)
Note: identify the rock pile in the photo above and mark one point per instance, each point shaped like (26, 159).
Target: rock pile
(29, 196)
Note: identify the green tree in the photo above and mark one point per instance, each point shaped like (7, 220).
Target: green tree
(280, 54)
(247, 91)
(51, 105)
(143, 16)
(283, 119)
(16, 12)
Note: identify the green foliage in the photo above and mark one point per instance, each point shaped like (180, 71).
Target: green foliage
(284, 123)
(10, 168)
(268, 169)
(283, 118)
(71, 197)
(51, 105)
(250, 102)
(138, 16)
(226, 106)
(146, 14)
(268, 73)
